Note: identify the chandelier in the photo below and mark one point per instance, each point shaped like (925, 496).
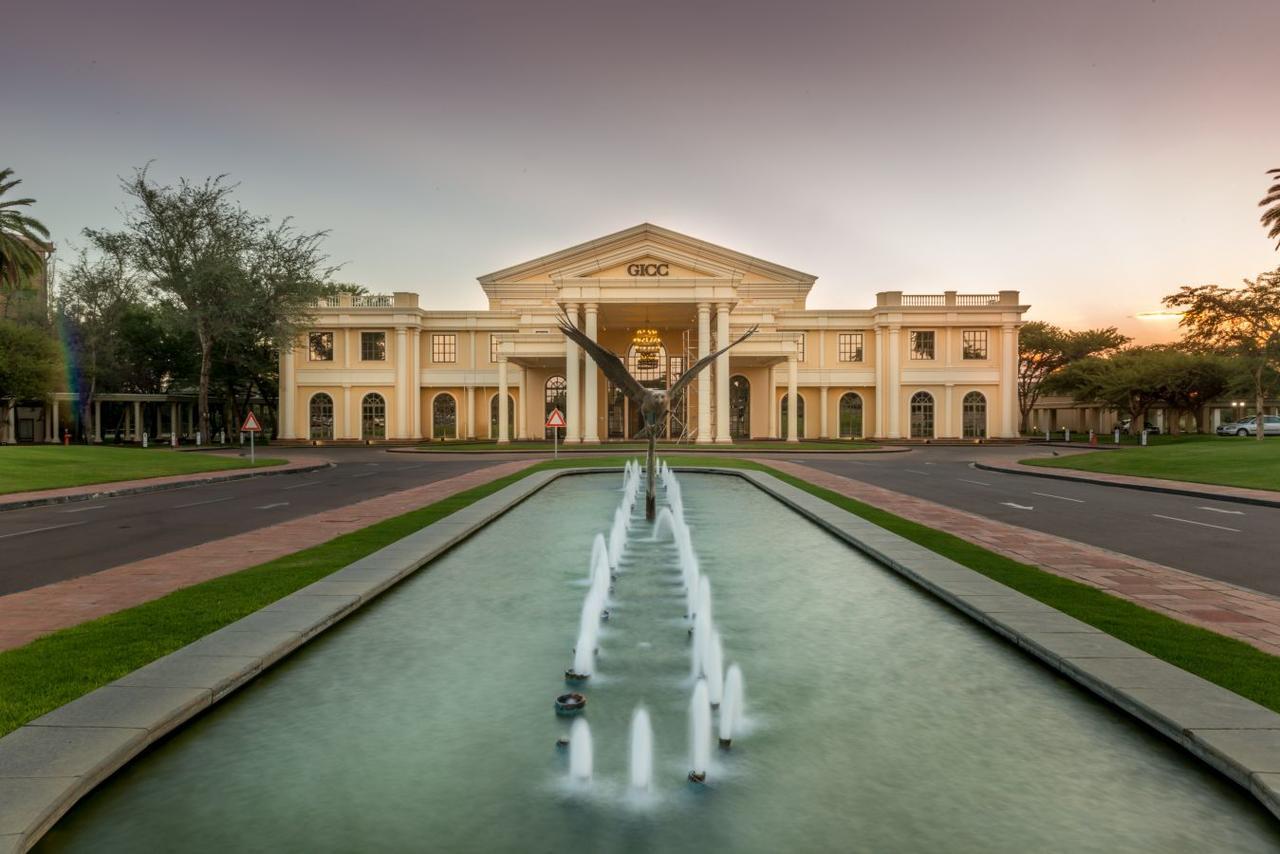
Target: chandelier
(648, 348)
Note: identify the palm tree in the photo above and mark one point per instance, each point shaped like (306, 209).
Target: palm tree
(1271, 216)
(21, 237)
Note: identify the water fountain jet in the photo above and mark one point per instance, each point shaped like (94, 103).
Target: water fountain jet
(580, 754)
(731, 710)
(641, 750)
(699, 733)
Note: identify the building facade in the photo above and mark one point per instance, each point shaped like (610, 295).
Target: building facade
(911, 367)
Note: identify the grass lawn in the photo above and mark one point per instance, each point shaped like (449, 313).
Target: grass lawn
(1225, 460)
(56, 669)
(27, 467)
(487, 446)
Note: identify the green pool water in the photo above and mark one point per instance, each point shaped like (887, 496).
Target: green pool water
(878, 718)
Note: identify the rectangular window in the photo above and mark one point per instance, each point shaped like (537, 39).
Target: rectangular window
(975, 343)
(373, 346)
(921, 344)
(676, 367)
(444, 348)
(320, 346)
(493, 348)
(800, 355)
(849, 345)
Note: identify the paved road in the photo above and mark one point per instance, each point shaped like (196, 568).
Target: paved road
(42, 545)
(1217, 539)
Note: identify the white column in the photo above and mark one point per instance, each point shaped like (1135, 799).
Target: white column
(573, 415)
(722, 374)
(882, 392)
(471, 412)
(402, 384)
(948, 413)
(173, 419)
(590, 383)
(97, 420)
(704, 377)
(771, 393)
(793, 399)
(522, 408)
(137, 420)
(893, 384)
(503, 437)
(415, 377)
(1009, 381)
(349, 429)
(288, 394)
(824, 432)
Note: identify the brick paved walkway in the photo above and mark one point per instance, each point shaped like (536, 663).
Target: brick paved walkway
(1208, 490)
(1224, 608)
(27, 615)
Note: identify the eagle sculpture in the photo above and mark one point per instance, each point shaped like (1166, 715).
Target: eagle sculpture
(654, 403)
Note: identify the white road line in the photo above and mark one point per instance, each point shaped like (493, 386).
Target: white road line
(916, 471)
(366, 474)
(38, 530)
(1059, 497)
(84, 509)
(1194, 522)
(979, 482)
(198, 503)
(1017, 506)
(269, 506)
(301, 485)
(1220, 510)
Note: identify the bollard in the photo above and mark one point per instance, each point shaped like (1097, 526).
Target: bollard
(222, 437)
(198, 438)
(66, 436)
(173, 440)
(144, 440)
(1066, 434)
(1117, 435)
(1093, 438)
(1144, 438)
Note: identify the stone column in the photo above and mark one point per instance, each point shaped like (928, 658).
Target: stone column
(173, 419)
(771, 392)
(471, 412)
(11, 418)
(97, 420)
(948, 413)
(137, 420)
(704, 377)
(349, 430)
(503, 438)
(288, 395)
(882, 392)
(573, 410)
(824, 431)
(415, 377)
(1009, 381)
(522, 408)
(402, 384)
(893, 384)
(722, 375)
(590, 383)
(793, 399)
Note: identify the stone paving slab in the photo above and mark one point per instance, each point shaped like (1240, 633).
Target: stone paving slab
(112, 489)
(1236, 612)
(29, 614)
(1212, 491)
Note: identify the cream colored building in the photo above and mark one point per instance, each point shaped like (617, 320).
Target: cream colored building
(920, 366)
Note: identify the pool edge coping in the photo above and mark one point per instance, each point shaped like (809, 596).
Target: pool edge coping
(95, 735)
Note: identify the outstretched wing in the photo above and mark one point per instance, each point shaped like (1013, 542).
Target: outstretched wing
(609, 362)
(687, 376)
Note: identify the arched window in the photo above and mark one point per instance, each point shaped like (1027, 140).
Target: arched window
(373, 417)
(975, 415)
(799, 416)
(922, 415)
(850, 416)
(493, 417)
(321, 420)
(444, 416)
(648, 364)
(557, 396)
(739, 408)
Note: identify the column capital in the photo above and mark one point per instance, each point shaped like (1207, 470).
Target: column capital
(722, 306)
(591, 307)
(704, 307)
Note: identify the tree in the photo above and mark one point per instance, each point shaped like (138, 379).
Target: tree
(28, 361)
(1241, 323)
(232, 276)
(1044, 349)
(1271, 216)
(1129, 380)
(22, 238)
(1189, 379)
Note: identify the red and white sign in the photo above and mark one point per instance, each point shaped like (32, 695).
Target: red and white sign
(555, 419)
(251, 424)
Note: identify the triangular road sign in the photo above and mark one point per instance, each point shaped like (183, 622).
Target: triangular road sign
(250, 424)
(555, 419)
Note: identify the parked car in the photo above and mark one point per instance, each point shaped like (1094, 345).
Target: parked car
(1249, 426)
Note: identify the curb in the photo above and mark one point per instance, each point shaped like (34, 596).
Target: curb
(1140, 487)
(49, 764)
(159, 487)
(692, 451)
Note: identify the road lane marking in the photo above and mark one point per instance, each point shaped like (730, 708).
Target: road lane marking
(301, 485)
(1018, 506)
(1220, 510)
(269, 506)
(366, 474)
(1194, 522)
(979, 482)
(1059, 497)
(916, 471)
(84, 509)
(38, 530)
(206, 501)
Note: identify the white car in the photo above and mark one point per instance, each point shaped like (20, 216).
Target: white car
(1249, 426)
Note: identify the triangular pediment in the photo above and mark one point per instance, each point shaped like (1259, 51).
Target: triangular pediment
(614, 256)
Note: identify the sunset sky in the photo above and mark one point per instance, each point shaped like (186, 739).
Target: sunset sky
(1094, 155)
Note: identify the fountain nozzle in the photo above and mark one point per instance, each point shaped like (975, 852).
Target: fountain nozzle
(697, 776)
(725, 743)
